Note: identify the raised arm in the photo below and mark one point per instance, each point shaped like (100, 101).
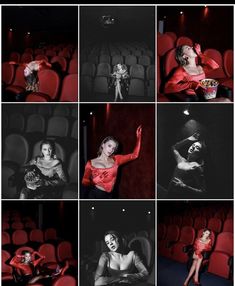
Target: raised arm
(208, 63)
(100, 278)
(16, 261)
(178, 82)
(122, 159)
(37, 261)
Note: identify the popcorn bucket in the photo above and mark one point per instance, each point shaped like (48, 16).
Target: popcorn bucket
(210, 88)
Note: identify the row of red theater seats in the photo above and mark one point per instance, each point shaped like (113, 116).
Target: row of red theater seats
(129, 59)
(177, 240)
(54, 126)
(69, 110)
(104, 69)
(51, 88)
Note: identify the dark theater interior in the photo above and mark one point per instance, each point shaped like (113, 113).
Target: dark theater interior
(214, 123)
(212, 28)
(50, 228)
(133, 220)
(180, 224)
(112, 35)
(40, 33)
(97, 121)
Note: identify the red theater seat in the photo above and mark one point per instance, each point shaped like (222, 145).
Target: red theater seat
(19, 237)
(23, 248)
(200, 222)
(17, 225)
(36, 235)
(172, 35)
(215, 224)
(65, 280)
(6, 269)
(228, 225)
(37, 97)
(61, 61)
(49, 84)
(18, 85)
(6, 239)
(8, 72)
(219, 263)
(184, 41)
(26, 58)
(187, 236)
(64, 252)
(228, 62)
(164, 44)
(69, 90)
(50, 234)
(215, 55)
(48, 250)
(73, 66)
(15, 57)
(172, 236)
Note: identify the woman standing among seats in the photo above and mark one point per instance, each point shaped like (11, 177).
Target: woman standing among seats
(201, 245)
(188, 179)
(187, 76)
(44, 175)
(101, 172)
(119, 266)
(120, 80)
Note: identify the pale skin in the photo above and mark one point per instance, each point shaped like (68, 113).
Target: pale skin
(197, 261)
(186, 165)
(105, 160)
(118, 74)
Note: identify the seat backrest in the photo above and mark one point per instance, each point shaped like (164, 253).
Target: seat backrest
(184, 41)
(8, 72)
(64, 250)
(36, 235)
(74, 132)
(228, 225)
(164, 44)
(88, 69)
(200, 222)
(144, 60)
(73, 66)
(19, 237)
(187, 235)
(228, 62)
(41, 57)
(215, 55)
(143, 248)
(65, 280)
(26, 58)
(69, 90)
(104, 59)
(23, 248)
(224, 243)
(57, 126)
(172, 35)
(16, 149)
(103, 69)
(170, 62)
(5, 267)
(161, 231)
(37, 97)
(150, 72)
(137, 71)
(61, 110)
(50, 233)
(45, 109)
(130, 60)
(6, 239)
(15, 57)
(215, 224)
(35, 123)
(48, 250)
(16, 122)
(173, 232)
(49, 82)
(73, 167)
(19, 79)
(17, 225)
(117, 59)
(61, 61)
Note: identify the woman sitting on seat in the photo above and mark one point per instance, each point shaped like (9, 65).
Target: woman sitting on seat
(44, 175)
(187, 76)
(119, 266)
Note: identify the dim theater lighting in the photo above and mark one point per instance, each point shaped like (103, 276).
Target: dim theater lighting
(149, 212)
(84, 121)
(92, 208)
(28, 33)
(10, 29)
(205, 6)
(91, 113)
(186, 112)
(181, 12)
(123, 210)
(164, 17)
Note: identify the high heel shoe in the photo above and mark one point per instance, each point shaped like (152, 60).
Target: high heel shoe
(196, 282)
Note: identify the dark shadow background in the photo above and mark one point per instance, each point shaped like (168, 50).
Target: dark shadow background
(136, 178)
(215, 123)
(212, 26)
(46, 24)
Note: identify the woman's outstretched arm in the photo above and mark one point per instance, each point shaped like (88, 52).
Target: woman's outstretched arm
(122, 159)
(208, 63)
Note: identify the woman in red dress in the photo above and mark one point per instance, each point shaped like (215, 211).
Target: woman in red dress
(201, 244)
(187, 76)
(101, 172)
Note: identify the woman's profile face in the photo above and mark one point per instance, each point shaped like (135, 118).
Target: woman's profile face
(189, 51)
(46, 150)
(109, 148)
(206, 234)
(112, 242)
(195, 147)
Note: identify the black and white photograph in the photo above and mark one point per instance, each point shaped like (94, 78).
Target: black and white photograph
(117, 54)
(117, 243)
(195, 243)
(39, 243)
(195, 151)
(40, 151)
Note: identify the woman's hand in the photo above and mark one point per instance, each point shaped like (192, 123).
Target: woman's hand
(197, 48)
(194, 137)
(178, 182)
(139, 131)
(100, 177)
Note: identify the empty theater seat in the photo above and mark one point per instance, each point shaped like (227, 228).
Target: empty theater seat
(69, 90)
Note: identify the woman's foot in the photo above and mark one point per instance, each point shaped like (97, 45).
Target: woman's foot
(196, 282)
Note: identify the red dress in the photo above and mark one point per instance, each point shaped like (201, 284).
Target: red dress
(199, 247)
(94, 176)
(182, 81)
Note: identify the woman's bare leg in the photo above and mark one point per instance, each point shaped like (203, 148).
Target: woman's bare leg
(116, 93)
(198, 265)
(119, 91)
(191, 271)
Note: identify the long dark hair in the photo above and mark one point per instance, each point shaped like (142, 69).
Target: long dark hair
(179, 56)
(52, 144)
(120, 238)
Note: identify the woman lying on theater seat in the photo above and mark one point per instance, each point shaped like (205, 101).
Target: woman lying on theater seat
(201, 244)
(119, 266)
(44, 176)
(120, 80)
(29, 270)
(101, 172)
(187, 76)
(188, 178)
